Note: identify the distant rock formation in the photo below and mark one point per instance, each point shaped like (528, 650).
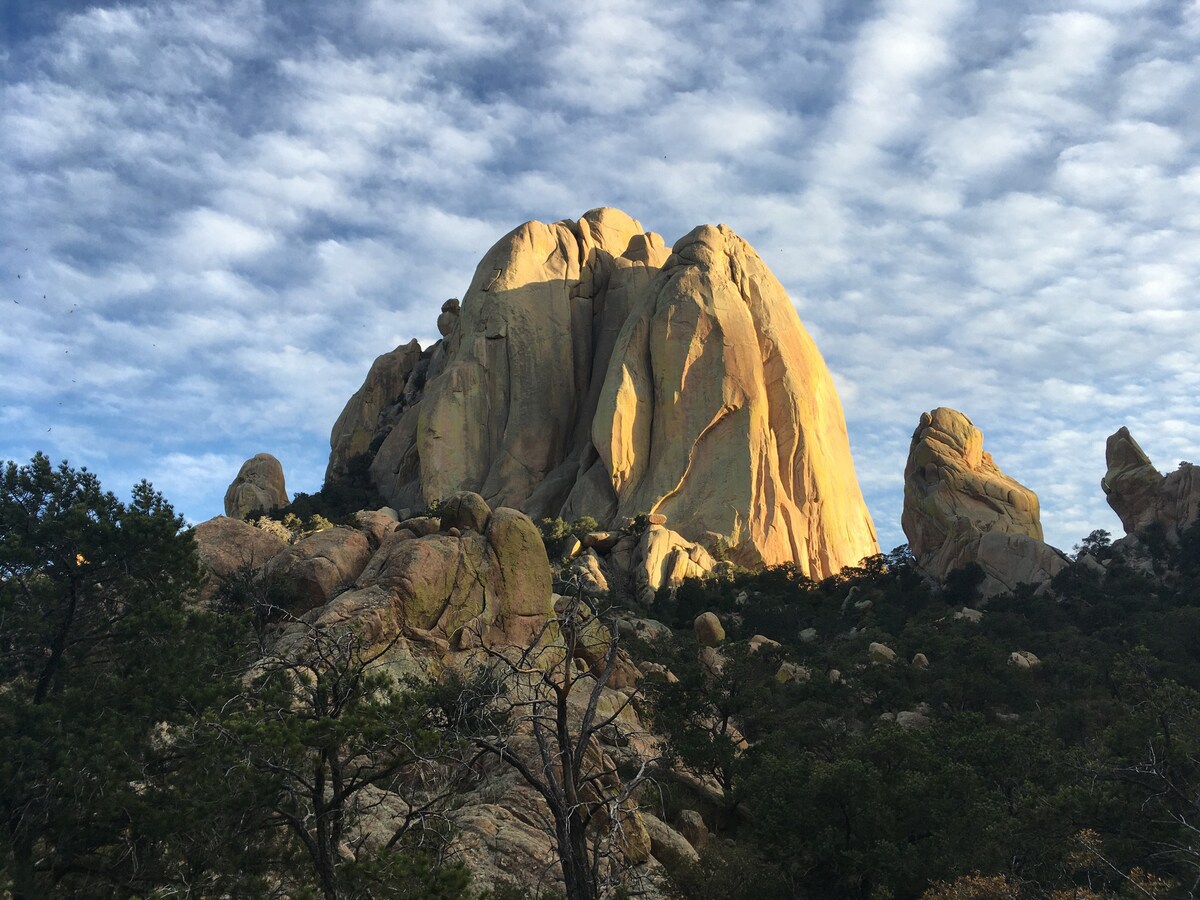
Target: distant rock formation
(1140, 495)
(590, 371)
(259, 485)
(959, 508)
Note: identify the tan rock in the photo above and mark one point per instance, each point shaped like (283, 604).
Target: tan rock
(589, 371)
(709, 631)
(959, 508)
(1140, 495)
(691, 825)
(790, 671)
(322, 565)
(365, 414)
(376, 525)
(227, 545)
(465, 510)
(881, 653)
(920, 661)
(258, 487)
(1023, 659)
(759, 641)
(667, 844)
(665, 558)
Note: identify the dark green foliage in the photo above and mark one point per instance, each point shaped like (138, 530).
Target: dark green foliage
(1080, 772)
(312, 737)
(121, 701)
(557, 532)
(339, 499)
(102, 652)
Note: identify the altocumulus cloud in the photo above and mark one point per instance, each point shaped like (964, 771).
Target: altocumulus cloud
(231, 208)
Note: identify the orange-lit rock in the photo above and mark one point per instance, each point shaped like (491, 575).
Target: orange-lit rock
(590, 371)
(960, 508)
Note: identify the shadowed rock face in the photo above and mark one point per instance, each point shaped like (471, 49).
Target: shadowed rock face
(590, 371)
(259, 485)
(960, 508)
(1140, 495)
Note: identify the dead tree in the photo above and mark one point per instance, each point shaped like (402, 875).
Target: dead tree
(550, 694)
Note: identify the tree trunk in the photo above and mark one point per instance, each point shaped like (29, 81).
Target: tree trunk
(24, 880)
(573, 852)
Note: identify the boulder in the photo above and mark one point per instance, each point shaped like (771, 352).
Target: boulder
(376, 525)
(665, 558)
(709, 631)
(881, 653)
(667, 844)
(319, 567)
(960, 508)
(258, 487)
(691, 825)
(684, 387)
(227, 545)
(758, 641)
(920, 661)
(1140, 495)
(1023, 659)
(459, 587)
(465, 510)
(790, 671)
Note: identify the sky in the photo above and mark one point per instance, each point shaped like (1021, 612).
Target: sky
(215, 215)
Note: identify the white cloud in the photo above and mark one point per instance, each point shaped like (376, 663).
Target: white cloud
(990, 206)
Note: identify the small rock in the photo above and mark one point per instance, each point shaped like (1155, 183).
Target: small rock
(920, 661)
(974, 616)
(601, 541)
(911, 718)
(709, 631)
(574, 548)
(835, 676)
(863, 605)
(759, 641)
(1023, 659)
(808, 635)
(691, 825)
(881, 653)
(656, 519)
(790, 671)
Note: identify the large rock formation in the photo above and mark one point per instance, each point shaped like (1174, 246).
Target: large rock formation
(258, 487)
(959, 508)
(590, 371)
(1142, 496)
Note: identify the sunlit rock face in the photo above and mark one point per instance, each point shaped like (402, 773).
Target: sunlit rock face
(591, 371)
(1142, 496)
(258, 487)
(960, 508)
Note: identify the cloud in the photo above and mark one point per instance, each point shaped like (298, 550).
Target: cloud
(232, 208)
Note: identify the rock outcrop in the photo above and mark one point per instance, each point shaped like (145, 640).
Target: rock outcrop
(591, 371)
(1142, 496)
(227, 546)
(960, 508)
(381, 398)
(258, 487)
